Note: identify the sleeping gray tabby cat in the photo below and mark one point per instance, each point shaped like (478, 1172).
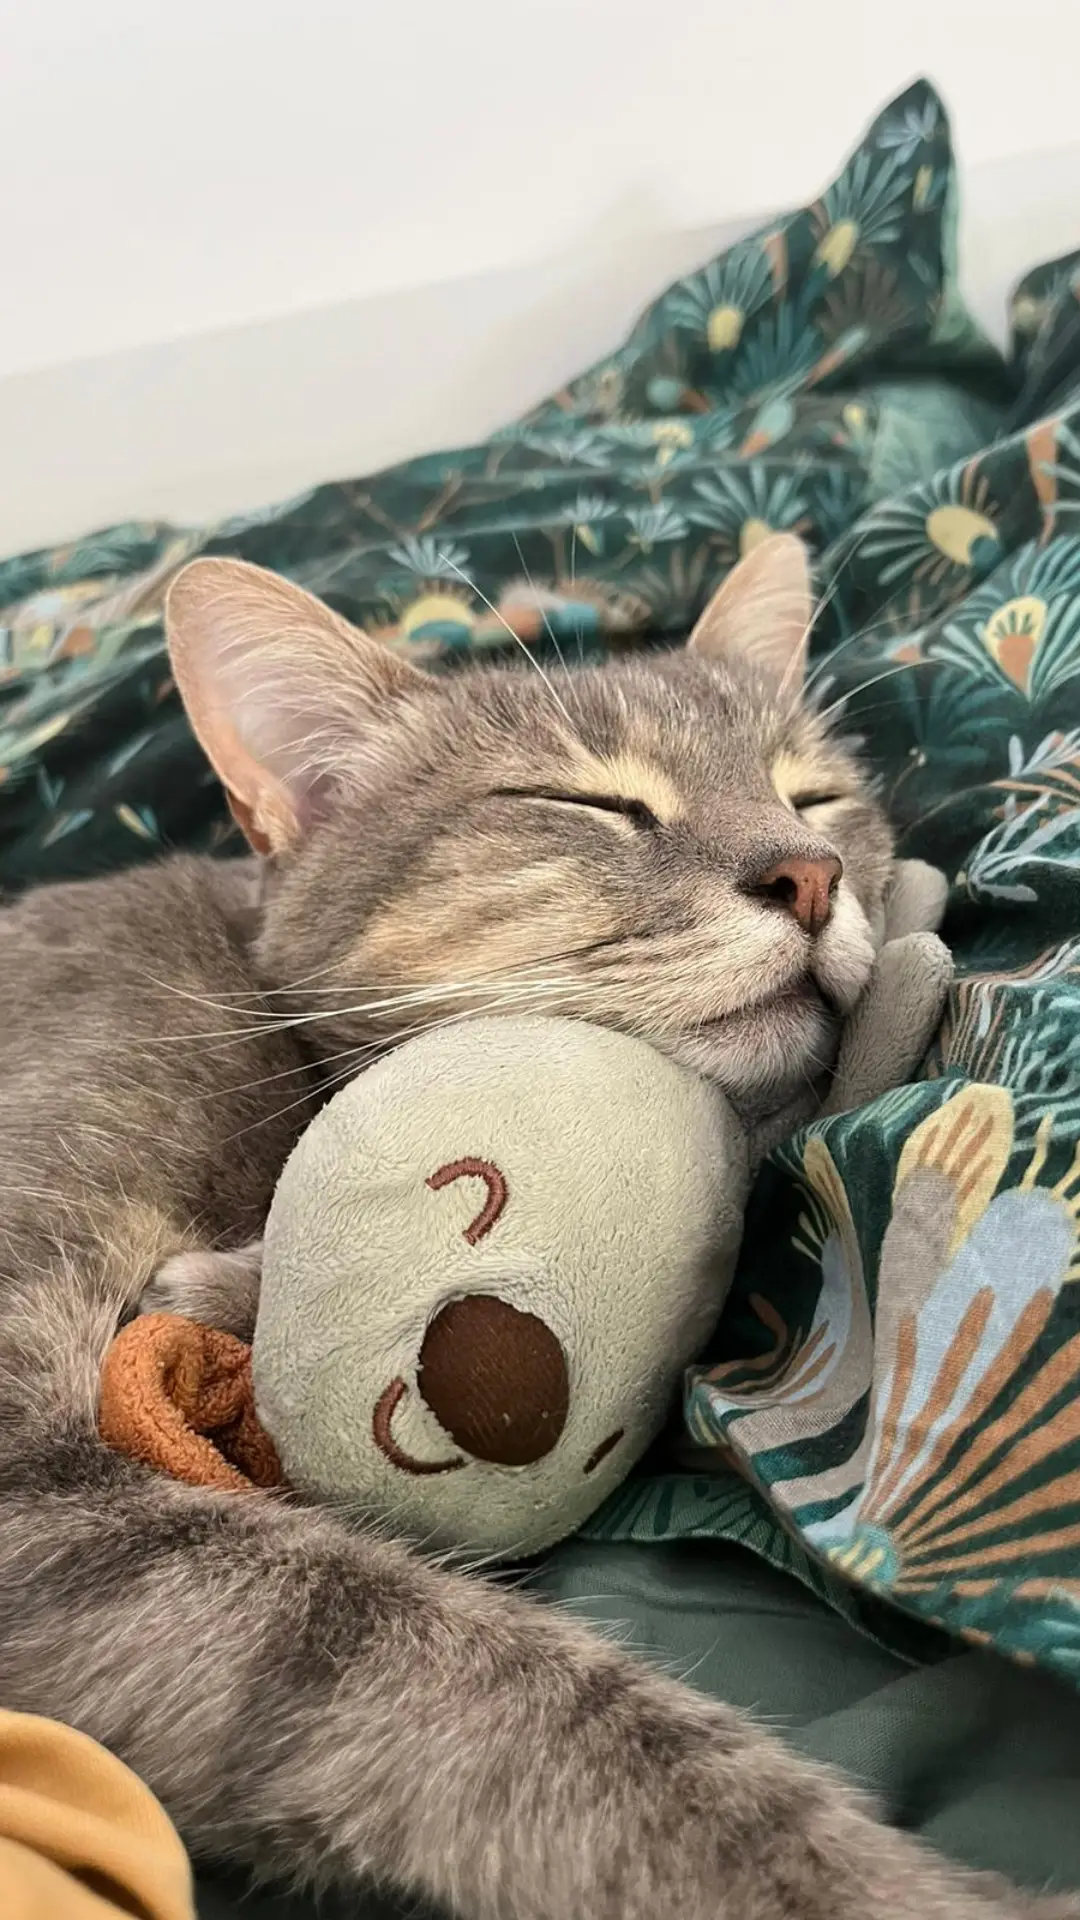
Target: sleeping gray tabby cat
(674, 846)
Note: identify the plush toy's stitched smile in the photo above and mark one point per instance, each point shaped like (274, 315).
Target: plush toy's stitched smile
(382, 1421)
(601, 1452)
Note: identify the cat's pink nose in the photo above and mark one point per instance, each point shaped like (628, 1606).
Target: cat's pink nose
(804, 888)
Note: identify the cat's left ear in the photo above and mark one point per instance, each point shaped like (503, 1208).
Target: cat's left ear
(761, 613)
(279, 689)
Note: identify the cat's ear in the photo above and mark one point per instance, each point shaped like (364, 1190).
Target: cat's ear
(761, 613)
(276, 687)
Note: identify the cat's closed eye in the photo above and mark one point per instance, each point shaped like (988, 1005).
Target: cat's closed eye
(806, 802)
(634, 810)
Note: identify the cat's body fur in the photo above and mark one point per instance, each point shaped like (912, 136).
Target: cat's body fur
(309, 1701)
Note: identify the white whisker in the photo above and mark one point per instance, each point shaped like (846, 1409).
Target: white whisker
(544, 614)
(347, 1072)
(515, 637)
(843, 699)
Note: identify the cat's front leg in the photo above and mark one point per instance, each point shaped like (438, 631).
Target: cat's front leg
(220, 1289)
(324, 1707)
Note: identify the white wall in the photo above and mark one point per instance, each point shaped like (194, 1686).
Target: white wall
(249, 242)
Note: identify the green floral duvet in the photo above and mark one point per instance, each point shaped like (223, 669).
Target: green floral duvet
(891, 1408)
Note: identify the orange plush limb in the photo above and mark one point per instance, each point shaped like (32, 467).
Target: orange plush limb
(177, 1396)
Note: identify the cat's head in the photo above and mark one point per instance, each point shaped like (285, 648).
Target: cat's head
(673, 844)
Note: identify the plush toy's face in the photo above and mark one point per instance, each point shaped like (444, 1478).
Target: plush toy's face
(492, 1373)
(487, 1263)
(499, 1402)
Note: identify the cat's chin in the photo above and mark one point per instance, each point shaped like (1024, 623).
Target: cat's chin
(765, 1056)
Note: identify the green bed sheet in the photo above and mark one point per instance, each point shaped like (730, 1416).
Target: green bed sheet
(885, 1432)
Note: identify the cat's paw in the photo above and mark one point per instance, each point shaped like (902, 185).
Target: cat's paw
(220, 1289)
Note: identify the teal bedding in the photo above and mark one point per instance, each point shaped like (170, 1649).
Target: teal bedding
(889, 1411)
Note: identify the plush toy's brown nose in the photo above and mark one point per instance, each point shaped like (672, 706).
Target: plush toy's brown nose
(495, 1379)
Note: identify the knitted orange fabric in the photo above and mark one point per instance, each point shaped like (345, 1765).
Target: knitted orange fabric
(177, 1395)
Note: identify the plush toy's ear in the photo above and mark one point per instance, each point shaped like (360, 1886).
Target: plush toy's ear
(275, 686)
(916, 900)
(762, 612)
(887, 1035)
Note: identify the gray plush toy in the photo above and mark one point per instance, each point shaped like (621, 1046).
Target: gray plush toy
(490, 1257)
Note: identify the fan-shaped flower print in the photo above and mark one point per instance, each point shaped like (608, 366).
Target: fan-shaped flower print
(585, 516)
(947, 527)
(431, 558)
(1022, 626)
(785, 352)
(719, 300)
(739, 506)
(864, 207)
(439, 619)
(809, 1377)
(651, 526)
(1054, 460)
(975, 1444)
(1052, 765)
(868, 299)
(568, 443)
(955, 1466)
(837, 494)
(910, 125)
(576, 610)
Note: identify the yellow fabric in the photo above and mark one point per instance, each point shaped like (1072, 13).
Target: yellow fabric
(80, 1837)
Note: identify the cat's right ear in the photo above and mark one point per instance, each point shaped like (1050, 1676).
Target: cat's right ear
(276, 687)
(762, 613)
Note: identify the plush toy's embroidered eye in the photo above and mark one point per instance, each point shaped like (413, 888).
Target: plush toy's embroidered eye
(635, 810)
(470, 1168)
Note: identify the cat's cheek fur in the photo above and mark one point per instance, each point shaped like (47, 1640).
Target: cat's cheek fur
(845, 951)
(766, 1055)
